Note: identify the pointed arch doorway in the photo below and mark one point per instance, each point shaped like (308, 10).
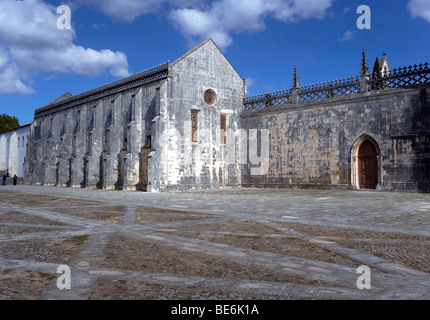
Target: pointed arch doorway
(366, 163)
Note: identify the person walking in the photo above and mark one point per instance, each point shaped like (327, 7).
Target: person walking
(15, 180)
(4, 179)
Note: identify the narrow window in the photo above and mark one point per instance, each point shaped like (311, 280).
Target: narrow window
(223, 128)
(91, 117)
(94, 117)
(77, 122)
(74, 146)
(194, 126)
(37, 132)
(133, 108)
(112, 111)
(18, 142)
(89, 143)
(157, 101)
(62, 124)
(50, 128)
(129, 116)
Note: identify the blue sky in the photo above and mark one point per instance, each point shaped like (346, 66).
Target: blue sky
(263, 40)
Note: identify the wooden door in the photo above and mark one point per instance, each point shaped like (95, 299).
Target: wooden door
(368, 166)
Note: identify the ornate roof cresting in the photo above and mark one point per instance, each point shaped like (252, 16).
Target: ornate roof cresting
(296, 83)
(364, 69)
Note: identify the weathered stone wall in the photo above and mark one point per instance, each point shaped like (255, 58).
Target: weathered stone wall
(177, 162)
(312, 145)
(159, 131)
(140, 138)
(94, 145)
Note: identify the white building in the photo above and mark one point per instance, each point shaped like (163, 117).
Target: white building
(13, 149)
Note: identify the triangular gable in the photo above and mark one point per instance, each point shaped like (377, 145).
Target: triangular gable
(205, 42)
(65, 96)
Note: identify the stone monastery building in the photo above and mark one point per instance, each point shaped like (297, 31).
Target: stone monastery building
(189, 125)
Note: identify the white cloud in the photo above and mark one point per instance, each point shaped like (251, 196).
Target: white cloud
(10, 82)
(31, 43)
(226, 17)
(72, 60)
(128, 10)
(250, 82)
(125, 10)
(296, 10)
(219, 19)
(197, 24)
(420, 8)
(347, 36)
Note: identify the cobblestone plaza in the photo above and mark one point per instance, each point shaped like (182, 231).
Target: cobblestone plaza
(266, 244)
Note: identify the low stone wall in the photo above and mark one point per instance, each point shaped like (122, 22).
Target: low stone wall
(314, 144)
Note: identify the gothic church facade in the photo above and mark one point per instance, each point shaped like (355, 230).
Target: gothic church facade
(141, 132)
(181, 126)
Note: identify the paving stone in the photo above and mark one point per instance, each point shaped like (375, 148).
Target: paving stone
(335, 227)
